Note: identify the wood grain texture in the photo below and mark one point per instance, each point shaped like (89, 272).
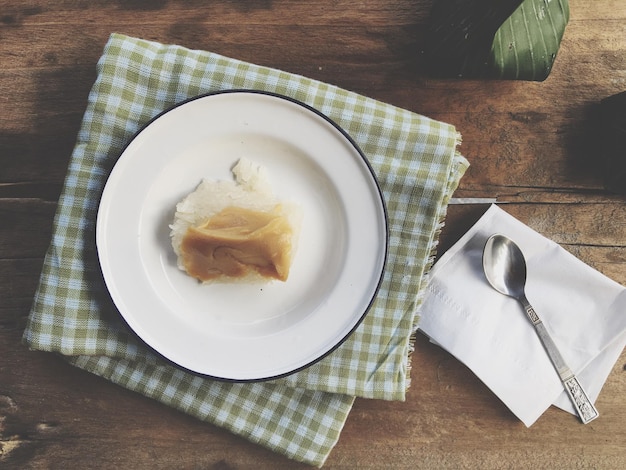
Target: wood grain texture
(530, 145)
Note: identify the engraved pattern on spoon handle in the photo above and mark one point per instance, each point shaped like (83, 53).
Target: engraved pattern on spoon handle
(585, 409)
(582, 403)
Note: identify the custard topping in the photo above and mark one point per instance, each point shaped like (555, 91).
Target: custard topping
(236, 241)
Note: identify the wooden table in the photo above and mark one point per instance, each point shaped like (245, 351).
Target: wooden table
(528, 145)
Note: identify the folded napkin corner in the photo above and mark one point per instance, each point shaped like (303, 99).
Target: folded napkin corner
(489, 332)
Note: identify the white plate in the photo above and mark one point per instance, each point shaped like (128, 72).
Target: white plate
(243, 332)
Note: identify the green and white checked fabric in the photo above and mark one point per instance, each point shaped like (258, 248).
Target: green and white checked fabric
(418, 167)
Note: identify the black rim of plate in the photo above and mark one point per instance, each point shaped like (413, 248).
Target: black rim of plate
(364, 159)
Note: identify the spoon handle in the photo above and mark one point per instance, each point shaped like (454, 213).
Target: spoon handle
(585, 409)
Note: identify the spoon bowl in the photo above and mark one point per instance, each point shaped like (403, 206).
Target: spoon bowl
(504, 266)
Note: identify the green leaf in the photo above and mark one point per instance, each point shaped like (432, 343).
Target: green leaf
(526, 45)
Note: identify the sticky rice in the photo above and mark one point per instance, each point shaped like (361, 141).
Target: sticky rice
(250, 190)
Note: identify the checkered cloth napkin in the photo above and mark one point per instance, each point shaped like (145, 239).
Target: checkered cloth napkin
(301, 416)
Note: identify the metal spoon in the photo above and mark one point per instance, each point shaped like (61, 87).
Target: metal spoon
(505, 269)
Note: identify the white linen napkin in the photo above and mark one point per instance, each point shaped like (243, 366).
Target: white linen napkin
(583, 310)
